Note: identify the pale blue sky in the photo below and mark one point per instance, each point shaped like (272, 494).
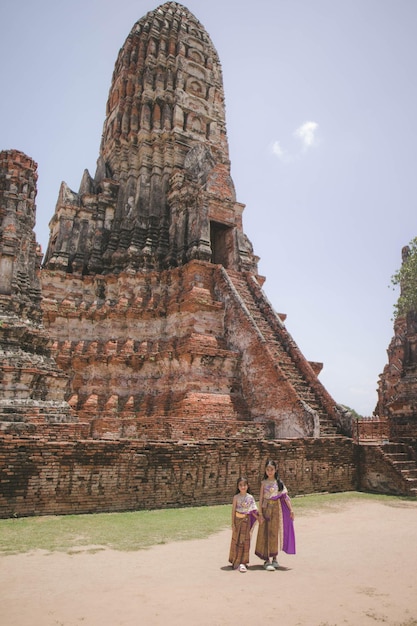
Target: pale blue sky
(321, 102)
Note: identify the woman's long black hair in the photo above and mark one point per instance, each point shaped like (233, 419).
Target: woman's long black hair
(277, 478)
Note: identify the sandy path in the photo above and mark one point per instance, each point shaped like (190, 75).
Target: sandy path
(356, 565)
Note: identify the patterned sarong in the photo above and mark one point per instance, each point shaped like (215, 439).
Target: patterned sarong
(240, 544)
(277, 530)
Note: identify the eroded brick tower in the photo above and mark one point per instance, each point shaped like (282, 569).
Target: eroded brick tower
(162, 194)
(397, 385)
(32, 388)
(151, 292)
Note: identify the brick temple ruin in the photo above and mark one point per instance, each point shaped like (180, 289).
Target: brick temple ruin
(143, 353)
(397, 386)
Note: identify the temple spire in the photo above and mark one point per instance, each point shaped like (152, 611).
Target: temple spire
(163, 193)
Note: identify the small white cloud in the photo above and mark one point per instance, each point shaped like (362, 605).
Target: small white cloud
(281, 153)
(307, 133)
(277, 150)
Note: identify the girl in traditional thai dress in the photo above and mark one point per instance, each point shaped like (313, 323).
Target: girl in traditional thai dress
(244, 515)
(276, 527)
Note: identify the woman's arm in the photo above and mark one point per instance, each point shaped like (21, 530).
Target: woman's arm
(287, 501)
(261, 499)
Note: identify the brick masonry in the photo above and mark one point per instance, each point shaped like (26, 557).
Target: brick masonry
(45, 478)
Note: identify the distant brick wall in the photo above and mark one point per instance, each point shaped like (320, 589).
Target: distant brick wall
(40, 478)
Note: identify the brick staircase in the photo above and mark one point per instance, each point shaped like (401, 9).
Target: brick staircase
(403, 458)
(281, 345)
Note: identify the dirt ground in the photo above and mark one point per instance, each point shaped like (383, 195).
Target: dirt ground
(356, 565)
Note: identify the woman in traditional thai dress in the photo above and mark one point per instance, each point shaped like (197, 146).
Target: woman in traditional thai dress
(244, 515)
(276, 527)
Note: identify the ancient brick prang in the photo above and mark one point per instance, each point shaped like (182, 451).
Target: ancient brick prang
(20, 255)
(151, 297)
(162, 194)
(397, 386)
(146, 278)
(32, 388)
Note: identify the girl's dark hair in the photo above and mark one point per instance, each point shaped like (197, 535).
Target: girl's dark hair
(239, 480)
(277, 478)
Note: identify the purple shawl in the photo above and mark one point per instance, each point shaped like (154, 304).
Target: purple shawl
(288, 539)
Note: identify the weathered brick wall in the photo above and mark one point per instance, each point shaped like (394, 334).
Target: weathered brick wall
(150, 346)
(40, 478)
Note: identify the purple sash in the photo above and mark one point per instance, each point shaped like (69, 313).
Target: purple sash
(288, 539)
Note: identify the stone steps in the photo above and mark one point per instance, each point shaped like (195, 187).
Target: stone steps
(401, 457)
(281, 353)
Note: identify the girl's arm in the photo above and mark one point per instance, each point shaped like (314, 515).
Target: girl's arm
(234, 510)
(256, 512)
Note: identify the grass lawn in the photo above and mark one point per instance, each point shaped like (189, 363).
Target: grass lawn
(141, 529)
